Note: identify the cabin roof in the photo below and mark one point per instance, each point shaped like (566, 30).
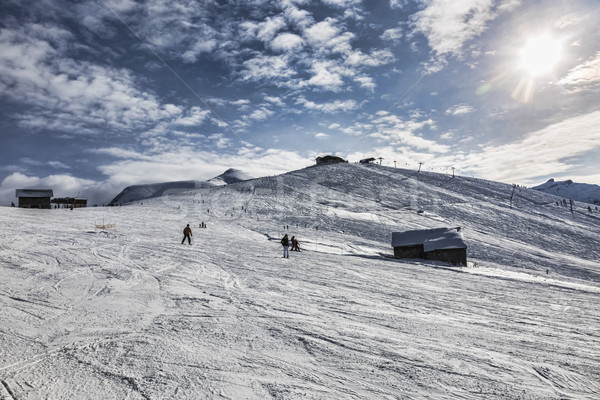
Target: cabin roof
(34, 193)
(431, 239)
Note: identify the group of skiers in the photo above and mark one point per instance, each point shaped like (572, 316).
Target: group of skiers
(285, 241)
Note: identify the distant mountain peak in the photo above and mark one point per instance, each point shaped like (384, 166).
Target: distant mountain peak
(142, 192)
(232, 175)
(584, 192)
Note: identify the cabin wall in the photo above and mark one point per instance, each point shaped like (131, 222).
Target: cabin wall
(452, 256)
(416, 251)
(34, 202)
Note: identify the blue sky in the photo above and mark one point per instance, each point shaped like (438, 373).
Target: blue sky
(98, 95)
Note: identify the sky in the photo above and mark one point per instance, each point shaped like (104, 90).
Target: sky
(99, 95)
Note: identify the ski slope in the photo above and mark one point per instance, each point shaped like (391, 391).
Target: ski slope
(131, 313)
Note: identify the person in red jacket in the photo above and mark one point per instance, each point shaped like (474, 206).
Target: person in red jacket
(187, 233)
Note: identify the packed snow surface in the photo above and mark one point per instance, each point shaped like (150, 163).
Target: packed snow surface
(131, 313)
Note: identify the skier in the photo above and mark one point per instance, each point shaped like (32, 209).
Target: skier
(295, 244)
(187, 233)
(286, 244)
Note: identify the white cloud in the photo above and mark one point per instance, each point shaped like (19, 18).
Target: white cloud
(268, 29)
(326, 37)
(447, 25)
(275, 100)
(331, 107)
(341, 3)
(296, 16)
(398, 3)
(194, 117)
(220, 140)
(72, 95)
(399, 132)
(583, 76)
(121, 153)
(286, 42)
(260, 114)
(393, 34)
(267, 68)
(460, 109)
(202, 46)
(326, 75)
(321, 135)
(366, 82)
(448, 135)
(58, 165)
(375, 59)
(540, 153)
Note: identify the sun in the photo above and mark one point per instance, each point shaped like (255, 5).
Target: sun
(540, 55)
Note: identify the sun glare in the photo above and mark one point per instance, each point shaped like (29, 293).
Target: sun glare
(540, 55)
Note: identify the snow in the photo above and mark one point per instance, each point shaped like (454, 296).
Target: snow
(232, 175)
(583, 192)
(431, 239)
(131, 313)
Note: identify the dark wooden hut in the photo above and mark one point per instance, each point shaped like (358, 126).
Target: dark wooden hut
(34, 198)
(367, 160)
(330, 160)
(441, 244)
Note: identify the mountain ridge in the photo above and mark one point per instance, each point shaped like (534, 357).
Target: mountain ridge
(583, 192)
(147, 191)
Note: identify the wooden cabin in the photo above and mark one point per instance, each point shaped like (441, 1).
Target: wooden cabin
(441, 244)
(34, 198)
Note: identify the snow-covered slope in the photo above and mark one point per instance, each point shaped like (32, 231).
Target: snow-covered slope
(568, 189)
(132, 313)
(232, 175)
(142, 192)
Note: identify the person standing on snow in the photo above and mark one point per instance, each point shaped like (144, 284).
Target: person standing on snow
(286, 244)
(295, 244)
(187, 233)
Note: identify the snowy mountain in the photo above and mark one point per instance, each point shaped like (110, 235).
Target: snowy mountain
(568, 189)
(130, 312)
(232, 175)
(142, 192)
